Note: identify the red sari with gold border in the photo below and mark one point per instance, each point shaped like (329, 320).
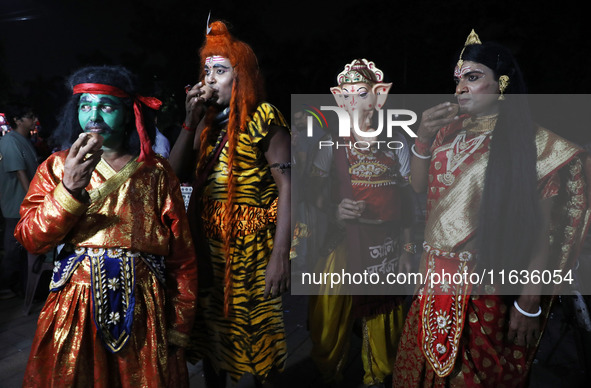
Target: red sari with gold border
(459, 339)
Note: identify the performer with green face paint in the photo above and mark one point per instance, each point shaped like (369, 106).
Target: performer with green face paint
(103, 114)
(124, 283)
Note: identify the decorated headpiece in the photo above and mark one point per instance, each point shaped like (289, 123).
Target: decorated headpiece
(151, 102)
(472, 39)
(219, 42)
(360, 70)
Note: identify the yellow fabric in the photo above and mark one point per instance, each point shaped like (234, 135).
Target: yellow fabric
(331, 325)
(113, 178)
(251, 339)
(380, 342)
(254, 185)
(247, 219)
(330, 328)
(66, 201)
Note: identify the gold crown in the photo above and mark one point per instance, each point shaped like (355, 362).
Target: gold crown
(472, 39)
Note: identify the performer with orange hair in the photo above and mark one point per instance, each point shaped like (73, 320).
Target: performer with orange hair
(238, 147)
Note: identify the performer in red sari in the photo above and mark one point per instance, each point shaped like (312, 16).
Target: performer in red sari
(503, 193)
(124, 283)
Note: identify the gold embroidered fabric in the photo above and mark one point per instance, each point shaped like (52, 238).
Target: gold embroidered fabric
(454, 220)
(142, 211)
(482, 124)
(113, 179)
(101, 223)
(69, 203)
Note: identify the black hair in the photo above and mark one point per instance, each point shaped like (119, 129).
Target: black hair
(510, 213)
(69, 128)
(16, 110)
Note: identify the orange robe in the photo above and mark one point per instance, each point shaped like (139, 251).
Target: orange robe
(138, 209)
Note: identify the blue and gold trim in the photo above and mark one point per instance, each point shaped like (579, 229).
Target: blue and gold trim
(112, 287)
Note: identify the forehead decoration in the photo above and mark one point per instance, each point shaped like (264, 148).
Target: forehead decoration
(213, 59)
(472, 39)
(151, 102)
(360, 70)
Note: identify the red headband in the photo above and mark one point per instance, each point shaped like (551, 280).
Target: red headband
(151, 102)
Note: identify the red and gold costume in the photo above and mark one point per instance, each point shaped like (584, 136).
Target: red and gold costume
(453, 337)
(135, 216)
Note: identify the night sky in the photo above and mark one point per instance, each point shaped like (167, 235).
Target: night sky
(301, 46)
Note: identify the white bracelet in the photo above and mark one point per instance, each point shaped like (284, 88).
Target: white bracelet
(530, 315)
(412, 148)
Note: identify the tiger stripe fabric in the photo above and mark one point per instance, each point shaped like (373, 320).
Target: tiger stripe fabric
(251, 339)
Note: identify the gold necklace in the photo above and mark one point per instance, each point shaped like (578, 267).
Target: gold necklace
(479, 125)
(461, 148)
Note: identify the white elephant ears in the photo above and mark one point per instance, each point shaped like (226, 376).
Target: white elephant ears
(337, 92)
(381, 91)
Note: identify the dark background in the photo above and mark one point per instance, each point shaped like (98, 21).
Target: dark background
(301, 46)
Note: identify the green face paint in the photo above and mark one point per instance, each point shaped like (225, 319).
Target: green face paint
(105, 115)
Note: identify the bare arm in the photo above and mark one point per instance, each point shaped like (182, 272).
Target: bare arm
(524, 330)
(419, 171)
(184, 153)
(277, 278)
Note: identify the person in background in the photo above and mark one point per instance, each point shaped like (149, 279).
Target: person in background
(4, 127)
(18, 162)
(161, 143)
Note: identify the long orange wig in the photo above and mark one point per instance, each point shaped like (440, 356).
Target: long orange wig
(247, 94)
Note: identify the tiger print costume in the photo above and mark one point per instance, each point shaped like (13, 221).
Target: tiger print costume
(251, 339)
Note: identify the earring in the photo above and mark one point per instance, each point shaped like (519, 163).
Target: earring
(503, 83)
